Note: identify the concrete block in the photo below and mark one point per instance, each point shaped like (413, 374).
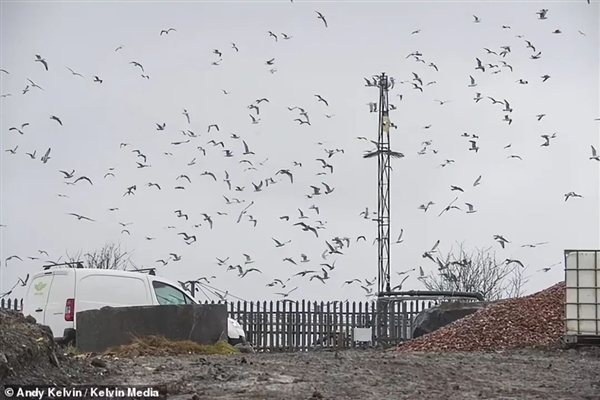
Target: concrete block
(98, 330)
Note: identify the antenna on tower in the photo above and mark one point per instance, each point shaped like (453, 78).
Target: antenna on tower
(383, 154)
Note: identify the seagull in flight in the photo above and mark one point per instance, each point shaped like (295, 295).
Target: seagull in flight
(322, 18)
(318, 96)
(595, 155)
(80, 217)
(39, 58)
(167, 31)
(137, 64)
(75, 73)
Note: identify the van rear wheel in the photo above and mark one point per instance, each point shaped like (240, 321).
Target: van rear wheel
(68, 338)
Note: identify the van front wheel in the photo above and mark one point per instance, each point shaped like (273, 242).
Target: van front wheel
(240, 340)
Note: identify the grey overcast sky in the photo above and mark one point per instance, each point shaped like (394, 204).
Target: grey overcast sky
(523, 200)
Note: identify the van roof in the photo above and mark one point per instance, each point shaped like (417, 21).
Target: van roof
(114, 272)
(92, 271)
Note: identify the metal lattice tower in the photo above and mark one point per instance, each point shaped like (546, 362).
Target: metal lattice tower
(383, 198)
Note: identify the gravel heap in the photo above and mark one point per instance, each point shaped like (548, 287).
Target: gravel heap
(29, 355)
(531, 321)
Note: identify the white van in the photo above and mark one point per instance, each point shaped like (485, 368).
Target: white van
(56, 294)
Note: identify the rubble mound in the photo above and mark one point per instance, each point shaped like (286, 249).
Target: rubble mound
(161, 346)
(29, 355)
(531, 321)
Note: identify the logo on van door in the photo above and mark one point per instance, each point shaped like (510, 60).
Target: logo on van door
(40, 286)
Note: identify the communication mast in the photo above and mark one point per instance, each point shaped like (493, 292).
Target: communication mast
(383, 154)
(383, 199)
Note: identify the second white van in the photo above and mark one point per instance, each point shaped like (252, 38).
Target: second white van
(55, 295)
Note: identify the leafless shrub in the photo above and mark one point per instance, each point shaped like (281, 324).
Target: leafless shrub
(111, 256)
(476, 271)
(516, 283)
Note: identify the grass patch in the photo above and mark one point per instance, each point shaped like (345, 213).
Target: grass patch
(161, 346)
(71, 350)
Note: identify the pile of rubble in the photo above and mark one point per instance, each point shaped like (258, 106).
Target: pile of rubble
(532, 321)
(29, 355)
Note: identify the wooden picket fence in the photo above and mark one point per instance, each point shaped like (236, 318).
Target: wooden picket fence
(288, 326)
(284, 326)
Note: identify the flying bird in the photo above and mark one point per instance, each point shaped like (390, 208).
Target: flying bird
(288, 293)
(318, 96)
(254, 120)
(246, 149)
(75, 73)
(547, 139)
(479, 65)
(46, 156)
(280, 244)
(21, 131)
(307, 228)
(572, 195)
(471, 210)
(400, 240)
(286, 172)
(322, 18)
(83, 178)
(501, 240)
(595, 155)
(80, 217)
(534, 245)
(39, 58)
(137, 64)
(167, 31)
(55, 118)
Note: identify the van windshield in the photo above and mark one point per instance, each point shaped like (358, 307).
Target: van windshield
(169, 295)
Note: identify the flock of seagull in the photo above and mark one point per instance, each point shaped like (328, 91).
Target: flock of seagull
(239, 193)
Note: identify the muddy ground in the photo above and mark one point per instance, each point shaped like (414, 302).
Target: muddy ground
(368, 374)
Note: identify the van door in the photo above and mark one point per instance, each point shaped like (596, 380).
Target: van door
(100, 289)
(166, 294)
(37, 297)
(61, 289)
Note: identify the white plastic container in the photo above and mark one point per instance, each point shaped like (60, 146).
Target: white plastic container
(582, 302)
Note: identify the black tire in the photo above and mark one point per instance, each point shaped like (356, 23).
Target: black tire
(68, 338)
(240, 340)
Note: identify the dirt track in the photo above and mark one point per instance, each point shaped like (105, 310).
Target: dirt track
(369, 375)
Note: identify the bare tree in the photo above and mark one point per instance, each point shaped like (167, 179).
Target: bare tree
(516, 283)
(477, 271)
(111, 256)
